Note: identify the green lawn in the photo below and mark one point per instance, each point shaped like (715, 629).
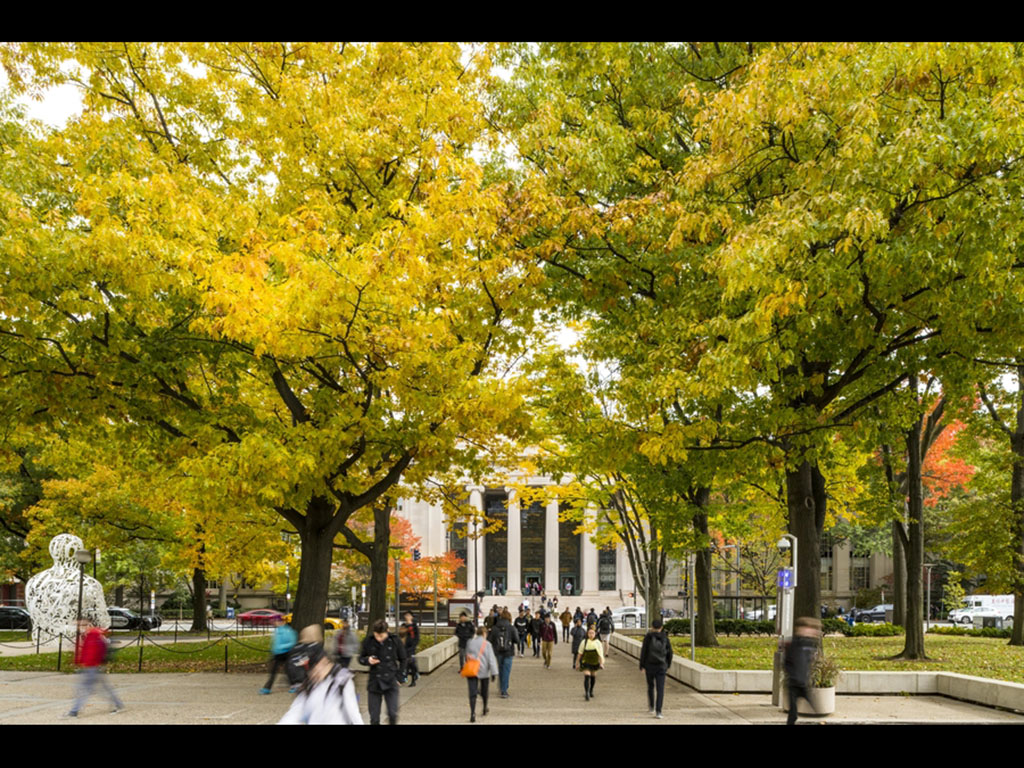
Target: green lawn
(980, 656)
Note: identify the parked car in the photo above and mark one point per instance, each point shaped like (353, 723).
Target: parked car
(13, 617)
(260, 617)
(758, 614)
(330, 622)
(967, 616)
(628, 616)
(122, 618)
(873, 614)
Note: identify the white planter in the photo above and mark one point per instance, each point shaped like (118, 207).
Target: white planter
(822, 702)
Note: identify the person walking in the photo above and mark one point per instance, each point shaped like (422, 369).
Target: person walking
(535, 625)
(605, 627)
(412, 642)
(480, 651)
(347, 644)
(327, 696)
(465, 631)
(655, 658)
(504, 639)
(522, 625)
(590, 659)
(281, 644)
(548, 639)
(566, 619)
(800, 651)
(385, 656)
(578, 634)
(91, 651)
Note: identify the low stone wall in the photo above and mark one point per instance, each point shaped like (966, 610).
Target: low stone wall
(436, 655)
(977, 690)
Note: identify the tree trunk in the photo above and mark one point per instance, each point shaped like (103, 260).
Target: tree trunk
(317, 537)
(379, 562)
(805, 499)
(198, 600)
(656, 582)
(1017, 504)
(899, 577)
(705, 623)
(914, 619)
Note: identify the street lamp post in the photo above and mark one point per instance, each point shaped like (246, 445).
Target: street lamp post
(928, 609)
(787, 584)
(83, 556)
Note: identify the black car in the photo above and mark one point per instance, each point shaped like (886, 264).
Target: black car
(122, 618)
(13, 617)
(873, 614)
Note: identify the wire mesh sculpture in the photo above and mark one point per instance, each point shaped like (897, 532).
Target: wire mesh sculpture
(51, 596)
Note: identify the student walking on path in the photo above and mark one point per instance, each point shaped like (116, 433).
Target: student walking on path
(91, 658)
(480, 651)
(384, 654)
(566, 619)
(578, 634)
(590, 659)
(327, 696)
(548, 639)
(504, 639)
(655, 658)
(281, 645)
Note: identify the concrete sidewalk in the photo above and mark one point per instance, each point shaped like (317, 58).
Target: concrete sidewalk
(538, 697)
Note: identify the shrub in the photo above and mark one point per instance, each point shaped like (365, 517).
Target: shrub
(972, 632)
(873, 630)
(825, 671)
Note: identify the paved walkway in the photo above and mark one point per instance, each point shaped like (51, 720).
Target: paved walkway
(539, 696)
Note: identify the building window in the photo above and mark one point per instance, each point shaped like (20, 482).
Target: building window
(827, 584)
(606, 569)
(860, 573)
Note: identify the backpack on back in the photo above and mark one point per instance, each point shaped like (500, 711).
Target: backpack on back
(499, 637)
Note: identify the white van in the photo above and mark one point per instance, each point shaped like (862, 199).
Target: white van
(983, 604)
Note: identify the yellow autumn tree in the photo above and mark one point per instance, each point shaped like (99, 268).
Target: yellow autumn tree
(281, 268)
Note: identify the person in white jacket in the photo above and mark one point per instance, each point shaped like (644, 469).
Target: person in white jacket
(478, 648)
(328, 694)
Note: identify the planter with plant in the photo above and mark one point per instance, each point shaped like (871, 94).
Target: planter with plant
(825, 672)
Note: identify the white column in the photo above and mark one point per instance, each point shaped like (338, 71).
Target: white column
(474, 545)
(588, 558)
(515, 544)
(551, 547)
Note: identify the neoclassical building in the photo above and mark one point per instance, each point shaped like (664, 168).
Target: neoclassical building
(531, 546)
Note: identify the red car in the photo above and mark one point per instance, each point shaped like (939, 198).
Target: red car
(261, 617)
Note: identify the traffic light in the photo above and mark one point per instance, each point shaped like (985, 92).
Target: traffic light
(415, 554)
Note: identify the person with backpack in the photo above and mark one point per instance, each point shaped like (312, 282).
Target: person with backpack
(281, 644)
(92, 650)
(655, 658)
(480, 670)
(327, 695)
(504, 639)
(590, 659)
(548, 639)
(385, 656)
(605, 627)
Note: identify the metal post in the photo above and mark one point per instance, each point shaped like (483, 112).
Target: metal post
(435, 603)
(928, 615)
(693, 616)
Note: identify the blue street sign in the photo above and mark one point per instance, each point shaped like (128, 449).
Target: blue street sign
(785, 578)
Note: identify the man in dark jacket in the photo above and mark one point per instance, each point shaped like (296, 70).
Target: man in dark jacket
(655, 658)
(385, 656)
(800, 652)
(504, 639)
(522, 626)
(465, 631)
(535, 624)
(578, 634)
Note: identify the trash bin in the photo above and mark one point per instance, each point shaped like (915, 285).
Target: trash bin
(231, 613)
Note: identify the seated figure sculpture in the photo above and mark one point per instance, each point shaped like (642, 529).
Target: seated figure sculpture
(51, 596)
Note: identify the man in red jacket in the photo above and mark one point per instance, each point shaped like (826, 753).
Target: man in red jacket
(91, 658)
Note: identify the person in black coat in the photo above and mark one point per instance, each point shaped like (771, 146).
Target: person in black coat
(385, 656)
(655, 658)
(799, 658)
(411, 638)
(465, 631)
